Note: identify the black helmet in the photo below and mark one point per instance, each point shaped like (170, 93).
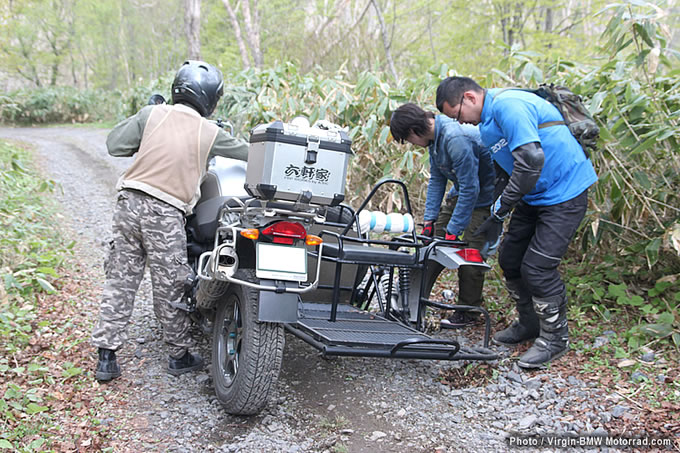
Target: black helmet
(198, 84)
(156, 99)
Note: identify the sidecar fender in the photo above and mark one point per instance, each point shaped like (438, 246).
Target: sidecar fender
(453, 258)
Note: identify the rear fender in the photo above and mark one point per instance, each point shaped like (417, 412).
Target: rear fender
(277, 307)
(450, 258)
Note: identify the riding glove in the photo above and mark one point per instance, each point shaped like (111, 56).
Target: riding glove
(428, 228)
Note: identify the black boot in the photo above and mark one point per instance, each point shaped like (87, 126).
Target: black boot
(553, 341)
(185, 364)
(107, 367)
(526, 327)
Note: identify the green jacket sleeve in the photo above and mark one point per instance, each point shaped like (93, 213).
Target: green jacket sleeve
(227, 145)
(124, 139)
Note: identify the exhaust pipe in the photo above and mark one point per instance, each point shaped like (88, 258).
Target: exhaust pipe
(210, 291)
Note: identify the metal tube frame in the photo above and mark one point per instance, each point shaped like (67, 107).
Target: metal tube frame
(208, 271)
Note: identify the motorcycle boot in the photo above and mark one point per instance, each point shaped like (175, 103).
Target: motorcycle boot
(185, 364)
(526, 327)
(553, 342)
(107, 367)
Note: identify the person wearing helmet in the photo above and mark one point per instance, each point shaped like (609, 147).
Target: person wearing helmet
(172, 144)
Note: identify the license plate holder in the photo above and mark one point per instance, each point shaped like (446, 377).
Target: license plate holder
(281, 262)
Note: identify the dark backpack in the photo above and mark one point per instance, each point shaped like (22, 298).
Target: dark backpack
(576, 116)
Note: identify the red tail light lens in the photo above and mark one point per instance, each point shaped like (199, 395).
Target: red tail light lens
(285, 232)
(471, 255)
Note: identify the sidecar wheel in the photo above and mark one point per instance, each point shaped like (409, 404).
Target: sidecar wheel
(246, 353)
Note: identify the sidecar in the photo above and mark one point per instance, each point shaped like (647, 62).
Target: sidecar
(275, 249)
(382, 313)
(361, 296)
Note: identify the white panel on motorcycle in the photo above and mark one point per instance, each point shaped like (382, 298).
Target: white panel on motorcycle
(296, 162)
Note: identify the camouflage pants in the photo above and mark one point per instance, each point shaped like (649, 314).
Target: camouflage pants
(470, 278)
(145, 230)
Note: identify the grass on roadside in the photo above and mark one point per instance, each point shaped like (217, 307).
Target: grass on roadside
(47, 401)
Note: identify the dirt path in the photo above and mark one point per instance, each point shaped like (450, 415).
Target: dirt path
(340, 405)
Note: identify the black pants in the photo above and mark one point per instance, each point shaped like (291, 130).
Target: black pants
(536, 240)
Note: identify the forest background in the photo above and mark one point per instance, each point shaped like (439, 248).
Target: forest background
(354, 61)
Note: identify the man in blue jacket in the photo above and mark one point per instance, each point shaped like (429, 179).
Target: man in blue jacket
(456, 154)
(548, 189)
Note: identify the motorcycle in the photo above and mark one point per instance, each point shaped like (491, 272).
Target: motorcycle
(275, 249)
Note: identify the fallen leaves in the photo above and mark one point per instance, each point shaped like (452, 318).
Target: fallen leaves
(65, 410)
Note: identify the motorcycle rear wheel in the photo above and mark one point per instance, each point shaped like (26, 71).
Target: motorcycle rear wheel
(246, 353)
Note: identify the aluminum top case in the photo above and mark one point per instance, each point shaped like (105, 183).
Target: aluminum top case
(296, 162)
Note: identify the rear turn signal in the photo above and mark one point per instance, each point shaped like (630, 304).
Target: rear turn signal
(251, 233)
(471, 255)
(313, 240)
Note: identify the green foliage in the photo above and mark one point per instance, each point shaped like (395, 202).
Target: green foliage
(17, 403)
(30, 249)
(89, 43)
(635, 95)
(69, 105)
(616, 293)
(129, 102)
(55, 105)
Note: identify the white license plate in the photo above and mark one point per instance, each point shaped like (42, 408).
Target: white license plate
(281, 262)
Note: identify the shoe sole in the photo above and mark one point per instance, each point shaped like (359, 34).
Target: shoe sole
(541, 365)
(104, 377)
(500, 343)
(181, 371)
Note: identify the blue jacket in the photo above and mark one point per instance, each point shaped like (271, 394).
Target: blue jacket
(457, 154)
(512, 120)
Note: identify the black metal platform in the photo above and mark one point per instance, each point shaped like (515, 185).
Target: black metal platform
(359, 333)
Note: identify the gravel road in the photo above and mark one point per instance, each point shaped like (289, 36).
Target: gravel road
(340, 405)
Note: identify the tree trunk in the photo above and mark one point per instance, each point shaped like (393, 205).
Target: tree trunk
(429, 33)
(251, 18)
(123, 45)
(548, 20)
(25, 52)
(245, 58)
(192, 27)
(386, 42)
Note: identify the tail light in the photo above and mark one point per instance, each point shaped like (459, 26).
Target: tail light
(471, 255)
(285, 232)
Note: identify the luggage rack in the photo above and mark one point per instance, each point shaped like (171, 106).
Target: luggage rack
(359, 333)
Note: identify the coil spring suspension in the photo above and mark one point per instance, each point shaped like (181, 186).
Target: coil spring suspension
(391, 300)
(404, 289)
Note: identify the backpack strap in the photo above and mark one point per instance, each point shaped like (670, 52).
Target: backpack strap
(541, 125)
(551, 123)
